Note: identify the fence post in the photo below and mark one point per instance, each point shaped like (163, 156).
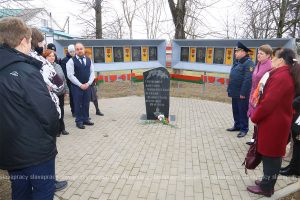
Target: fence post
(203, 86)
(131, 84)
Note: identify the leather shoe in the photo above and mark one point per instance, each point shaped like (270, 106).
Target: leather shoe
(289, 172)
(233, 129)
(80, 126)
(258, 190)
(58, 135)
(249, 143)
(88, 123)
(241, 134)
(64, 132)
(59, 185)
(257, 182)
(99, 113)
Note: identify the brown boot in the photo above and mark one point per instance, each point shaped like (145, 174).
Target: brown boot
(288, 157)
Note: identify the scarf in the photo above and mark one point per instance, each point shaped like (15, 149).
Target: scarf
(260, 87)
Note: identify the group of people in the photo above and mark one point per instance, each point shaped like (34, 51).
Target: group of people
(33, 84)
(32, 90)
(269, 94)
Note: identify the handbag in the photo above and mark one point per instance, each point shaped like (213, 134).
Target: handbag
(253, 158)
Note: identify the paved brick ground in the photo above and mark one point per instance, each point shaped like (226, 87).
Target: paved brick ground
(154, 161)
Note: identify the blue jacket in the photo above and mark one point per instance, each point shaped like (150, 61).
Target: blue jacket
(240, 78)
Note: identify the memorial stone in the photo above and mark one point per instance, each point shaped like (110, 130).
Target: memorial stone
(153, 53)
(99, 55)
(118, 54)
(157, 92)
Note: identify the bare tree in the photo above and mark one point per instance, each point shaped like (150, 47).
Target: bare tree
(189, 18)
(115, 29)
(178, 13)
(150, 13)
(91, 17)
(258, 22)
(129, 13)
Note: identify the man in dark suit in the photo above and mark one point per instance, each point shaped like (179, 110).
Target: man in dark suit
(239, 87)
(80, 71)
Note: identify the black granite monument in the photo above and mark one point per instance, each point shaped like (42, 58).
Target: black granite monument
(184, 54)
(118, 54)
(157, 92)
(219, 55)
(99, 55)
(152, 53)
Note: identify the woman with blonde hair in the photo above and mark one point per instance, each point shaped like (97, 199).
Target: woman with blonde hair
(264, 64)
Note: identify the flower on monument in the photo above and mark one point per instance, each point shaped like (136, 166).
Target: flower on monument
(160, 119)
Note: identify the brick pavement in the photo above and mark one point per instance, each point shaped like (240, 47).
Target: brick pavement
(154, 161)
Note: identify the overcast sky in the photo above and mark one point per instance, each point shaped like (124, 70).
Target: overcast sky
(61, 9)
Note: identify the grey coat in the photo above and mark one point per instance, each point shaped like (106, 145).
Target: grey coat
(60, 73)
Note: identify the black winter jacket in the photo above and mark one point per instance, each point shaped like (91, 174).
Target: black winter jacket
(64, 63)
(296, 106)
(28, 116)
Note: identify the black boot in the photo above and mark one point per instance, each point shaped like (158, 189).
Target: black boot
(99, 113)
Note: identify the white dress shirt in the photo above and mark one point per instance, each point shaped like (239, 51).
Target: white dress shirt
(71, 72)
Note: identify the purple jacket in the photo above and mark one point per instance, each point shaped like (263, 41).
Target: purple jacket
(259, 71)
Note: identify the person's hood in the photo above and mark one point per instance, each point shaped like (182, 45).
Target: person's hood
(68, 55)
(10, 55)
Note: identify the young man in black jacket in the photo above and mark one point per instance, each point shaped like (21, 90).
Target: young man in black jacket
(29, 119)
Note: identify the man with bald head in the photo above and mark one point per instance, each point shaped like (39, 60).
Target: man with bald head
(80, 71)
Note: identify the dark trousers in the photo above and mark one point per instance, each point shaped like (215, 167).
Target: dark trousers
(271, 168)
(37, 182)
(239, 110)
(295, 162)
(70, 96)
(81, 103)
(61, 120)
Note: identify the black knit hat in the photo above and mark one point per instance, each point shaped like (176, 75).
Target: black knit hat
(51, 46)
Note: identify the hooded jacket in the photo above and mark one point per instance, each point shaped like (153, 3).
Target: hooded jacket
(63, 63)
(28, 116)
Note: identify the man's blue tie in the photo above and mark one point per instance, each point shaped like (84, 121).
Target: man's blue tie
(82, 61)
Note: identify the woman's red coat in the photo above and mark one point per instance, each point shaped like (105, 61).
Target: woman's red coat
(274, 113)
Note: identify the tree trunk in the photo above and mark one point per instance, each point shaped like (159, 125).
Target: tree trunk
(283, 11)
(297, 10)
(98, 19)
(178, 14)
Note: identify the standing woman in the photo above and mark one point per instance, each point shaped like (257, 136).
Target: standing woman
(50, 56)
(94, 96)
(263, 65)
(274, 114)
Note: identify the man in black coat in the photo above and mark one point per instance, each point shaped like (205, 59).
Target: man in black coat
(239, 87)
(29, 119)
